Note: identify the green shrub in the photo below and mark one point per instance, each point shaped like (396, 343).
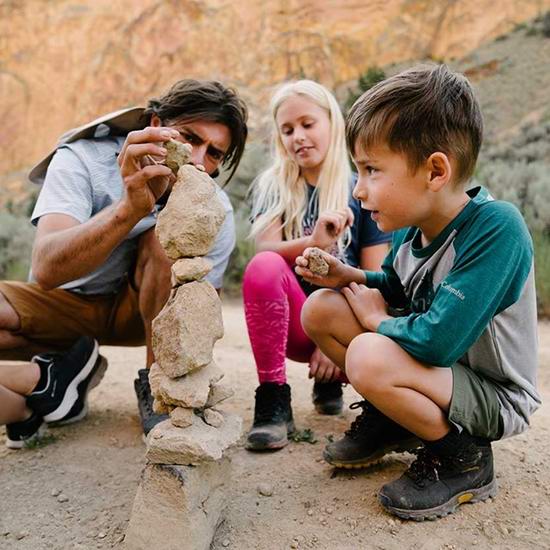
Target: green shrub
(254, 161)
(16, 237)
(365, 82)
(527, 185)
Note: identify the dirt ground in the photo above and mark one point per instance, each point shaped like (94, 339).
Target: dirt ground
(77, 491)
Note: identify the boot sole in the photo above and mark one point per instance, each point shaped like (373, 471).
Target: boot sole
(471, 496)
(290, 429)
(400, 447)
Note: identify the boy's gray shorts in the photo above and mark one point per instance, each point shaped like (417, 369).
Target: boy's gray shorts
(474, 404)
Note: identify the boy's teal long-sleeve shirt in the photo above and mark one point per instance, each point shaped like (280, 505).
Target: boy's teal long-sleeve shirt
(469, 297)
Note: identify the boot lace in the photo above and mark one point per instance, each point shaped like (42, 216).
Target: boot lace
(366, 422)
(425, 468)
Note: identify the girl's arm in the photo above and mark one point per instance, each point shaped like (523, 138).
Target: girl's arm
(327, 230)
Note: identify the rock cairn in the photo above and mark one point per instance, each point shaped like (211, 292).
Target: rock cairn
(181, 496)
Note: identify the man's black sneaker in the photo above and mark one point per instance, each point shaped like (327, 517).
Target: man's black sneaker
(327, 397)
(273, 421)
(149, 418)
(370, 436)
(20, 434)
(65, 372)
(435, 486)
(80, 409)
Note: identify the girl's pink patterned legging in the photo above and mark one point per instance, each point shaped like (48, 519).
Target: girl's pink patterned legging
(273, 300)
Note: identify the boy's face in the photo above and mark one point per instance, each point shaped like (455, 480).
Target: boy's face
(387, 187)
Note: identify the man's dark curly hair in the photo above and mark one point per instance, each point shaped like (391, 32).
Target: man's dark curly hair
(190, 100)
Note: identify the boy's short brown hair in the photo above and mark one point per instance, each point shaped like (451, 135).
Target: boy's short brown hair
(420, 111)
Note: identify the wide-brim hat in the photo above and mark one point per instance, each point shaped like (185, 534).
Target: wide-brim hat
(120, 123)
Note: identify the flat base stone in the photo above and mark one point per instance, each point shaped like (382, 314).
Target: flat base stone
(178, 507)
(199, 443)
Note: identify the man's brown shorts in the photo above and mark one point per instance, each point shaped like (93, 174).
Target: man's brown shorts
(57, 317)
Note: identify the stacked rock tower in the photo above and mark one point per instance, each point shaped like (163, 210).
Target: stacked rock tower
(181, 496)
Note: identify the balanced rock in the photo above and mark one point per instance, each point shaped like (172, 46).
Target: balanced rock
(196, 444)
(213, 417)
(182, 418)
(192, 390)
(178, 507)
(192, 217)
(190, 269)
(219, 392)
(185, 331)
(177, 154)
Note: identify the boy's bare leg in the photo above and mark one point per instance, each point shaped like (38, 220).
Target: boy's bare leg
(329, 321)
(152, 278)
(13, 407)
(412, 394)
(19, 377)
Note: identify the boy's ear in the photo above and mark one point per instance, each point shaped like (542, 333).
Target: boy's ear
(155, 121)
(439, 170)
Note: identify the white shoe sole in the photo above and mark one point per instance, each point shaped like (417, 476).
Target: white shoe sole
(19, 444)
(71, 394)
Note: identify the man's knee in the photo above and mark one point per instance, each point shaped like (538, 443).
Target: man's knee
(318, 308)
(9, 318)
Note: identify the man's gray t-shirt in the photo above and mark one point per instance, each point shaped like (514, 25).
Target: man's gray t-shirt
(83, 178)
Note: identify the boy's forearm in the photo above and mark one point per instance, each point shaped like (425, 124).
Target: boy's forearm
(354, 275)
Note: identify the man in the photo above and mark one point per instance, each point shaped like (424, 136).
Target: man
(97, 268)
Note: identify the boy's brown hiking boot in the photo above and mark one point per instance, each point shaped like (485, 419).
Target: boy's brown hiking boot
(370, 436)
(436, 485)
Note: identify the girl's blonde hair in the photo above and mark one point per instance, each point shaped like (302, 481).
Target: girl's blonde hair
(279, 193)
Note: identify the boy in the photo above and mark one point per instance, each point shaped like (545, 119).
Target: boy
(454, 364)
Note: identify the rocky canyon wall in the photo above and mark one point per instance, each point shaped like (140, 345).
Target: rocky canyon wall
(64, 62)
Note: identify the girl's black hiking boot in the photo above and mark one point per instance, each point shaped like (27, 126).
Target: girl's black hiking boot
(436, 485)
(370, 436)
(273, 421)
(327, 397)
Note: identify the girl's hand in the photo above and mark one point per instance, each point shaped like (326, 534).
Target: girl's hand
(338, 273)
(367, 304)
(329, 227)
(322, 368)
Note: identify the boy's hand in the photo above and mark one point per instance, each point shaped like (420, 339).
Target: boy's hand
(322, 368)
(338, 272)
(329, 226)
(367, 304)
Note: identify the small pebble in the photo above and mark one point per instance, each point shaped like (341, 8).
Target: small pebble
(21, 535)
(62, 498)
(310, 512)
(225, 543)
(265, 489)
(55, 492)
(101, 535)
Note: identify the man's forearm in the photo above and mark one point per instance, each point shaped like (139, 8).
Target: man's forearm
(71, 253)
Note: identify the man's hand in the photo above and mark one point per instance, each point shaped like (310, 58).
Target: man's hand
(145, 178)
(339, 274)
(322, 368)
(367, 304)
(329, 227)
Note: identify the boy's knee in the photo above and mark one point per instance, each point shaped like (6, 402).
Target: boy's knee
(316, 310)
(367, 367)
